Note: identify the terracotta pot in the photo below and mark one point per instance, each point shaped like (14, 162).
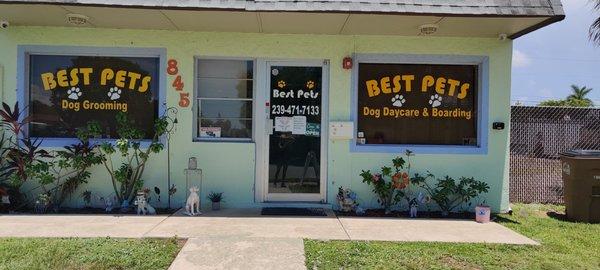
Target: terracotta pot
(482, 214)
(216, 206)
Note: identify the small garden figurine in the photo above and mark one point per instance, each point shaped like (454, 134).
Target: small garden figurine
(216, 198)
(192, 205)
(157, 192)
(143, 207)
(5, 196)
(87, 198)
(414, 203)
(346, 200)
(413, 207)
(108, 203)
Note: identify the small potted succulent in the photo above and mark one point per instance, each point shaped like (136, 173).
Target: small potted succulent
(215, 198)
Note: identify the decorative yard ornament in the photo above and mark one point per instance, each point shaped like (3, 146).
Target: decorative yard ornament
(192, 206)
(413, 208)
(413, 204)
(108, 203)
(5, 197)
(192, 163)
(346, 200)
(143, 207)
(171, 116)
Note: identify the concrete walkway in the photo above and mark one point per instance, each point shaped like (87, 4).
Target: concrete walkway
(243, 239)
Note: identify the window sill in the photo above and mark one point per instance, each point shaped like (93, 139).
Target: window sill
(418, 149)
(223, 140)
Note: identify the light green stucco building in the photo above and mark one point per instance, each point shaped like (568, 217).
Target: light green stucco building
(253, 46)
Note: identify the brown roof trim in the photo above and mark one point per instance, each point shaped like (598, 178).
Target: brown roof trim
(532, 28)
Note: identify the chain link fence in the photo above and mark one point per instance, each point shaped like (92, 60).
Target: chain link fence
(538, 135)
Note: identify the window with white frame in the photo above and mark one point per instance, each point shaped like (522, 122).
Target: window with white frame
(224, 96)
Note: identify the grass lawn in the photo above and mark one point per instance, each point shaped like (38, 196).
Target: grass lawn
(564, 245)
(87, 253)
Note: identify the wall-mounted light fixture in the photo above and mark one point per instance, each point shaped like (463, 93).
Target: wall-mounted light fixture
(428, 29)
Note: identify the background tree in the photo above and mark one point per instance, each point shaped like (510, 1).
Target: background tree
(595, 27)
(577, 98)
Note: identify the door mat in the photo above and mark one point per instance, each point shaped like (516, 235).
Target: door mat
(292, 211)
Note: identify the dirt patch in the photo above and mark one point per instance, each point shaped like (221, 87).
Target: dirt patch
(456, 264)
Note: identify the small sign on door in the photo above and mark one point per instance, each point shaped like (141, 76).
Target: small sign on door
(299, 125)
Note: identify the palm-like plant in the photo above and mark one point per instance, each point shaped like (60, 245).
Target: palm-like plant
(579, 95)
(595, 27)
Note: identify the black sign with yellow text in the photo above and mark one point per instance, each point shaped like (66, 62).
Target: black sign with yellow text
(417, 104)
(65, 92)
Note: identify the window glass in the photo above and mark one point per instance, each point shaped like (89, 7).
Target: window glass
(417, 104)
(226, 128)
(66, 92)
(223, 108)
(225, 88)
(225, 69)
(224, 95)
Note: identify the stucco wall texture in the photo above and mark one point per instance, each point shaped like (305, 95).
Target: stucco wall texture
(230, 167)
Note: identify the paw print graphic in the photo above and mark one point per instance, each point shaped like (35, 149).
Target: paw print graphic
(310, 85)
(435, 101)
(114, 93)
(281, 84)
(398, 101)
(74, 93)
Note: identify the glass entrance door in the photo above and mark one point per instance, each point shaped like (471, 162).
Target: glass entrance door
(294, 145)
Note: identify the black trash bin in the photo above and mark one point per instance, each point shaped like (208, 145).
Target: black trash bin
(581, 182)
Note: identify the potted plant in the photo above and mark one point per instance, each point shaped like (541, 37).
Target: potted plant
(215, 198)
(482, 213)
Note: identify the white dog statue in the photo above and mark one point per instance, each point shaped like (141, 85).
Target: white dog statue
(192, 206)
(143, 207)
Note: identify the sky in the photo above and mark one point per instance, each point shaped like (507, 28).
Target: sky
(548, 61)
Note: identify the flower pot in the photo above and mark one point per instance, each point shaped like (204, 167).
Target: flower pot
(216, 206)
(482, 214)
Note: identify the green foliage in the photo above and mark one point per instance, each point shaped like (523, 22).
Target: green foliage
(215, 196)
(127, 177)
(577, 98)
(389, 185)
(61, 175)
(87, 253)
(594, 31)
(20, 157)
(448, 194)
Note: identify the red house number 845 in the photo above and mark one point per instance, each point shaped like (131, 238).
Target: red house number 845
(184, 97)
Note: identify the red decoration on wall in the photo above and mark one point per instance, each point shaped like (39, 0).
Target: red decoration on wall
(347, 62)
(184, 97)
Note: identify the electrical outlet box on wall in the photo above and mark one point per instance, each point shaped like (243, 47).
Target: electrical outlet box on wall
(341, 130)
